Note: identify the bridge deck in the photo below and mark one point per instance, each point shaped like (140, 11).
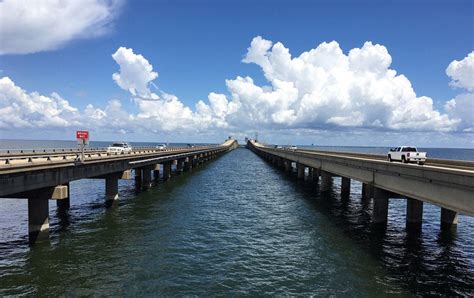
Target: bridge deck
(449, 184)
(20, 173)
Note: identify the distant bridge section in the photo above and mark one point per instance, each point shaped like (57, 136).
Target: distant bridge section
(42, 175)
(445, 183)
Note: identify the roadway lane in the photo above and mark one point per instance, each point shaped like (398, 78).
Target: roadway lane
(430, 162)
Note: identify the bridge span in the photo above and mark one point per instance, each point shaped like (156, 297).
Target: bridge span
(445, 183)
(43, 175)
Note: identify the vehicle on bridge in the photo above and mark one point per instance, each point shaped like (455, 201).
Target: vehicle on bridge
(292, 147)
(278, 147)
(190, 145)
(161, 147)
(119, 147)
(406, 154)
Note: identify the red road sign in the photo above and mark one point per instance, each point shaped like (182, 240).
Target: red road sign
(82, 135)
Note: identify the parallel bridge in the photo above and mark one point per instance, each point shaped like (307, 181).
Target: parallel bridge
(40, 176)
(445, 183)
(43, 176)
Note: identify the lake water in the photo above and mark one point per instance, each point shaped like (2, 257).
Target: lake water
(234, 226)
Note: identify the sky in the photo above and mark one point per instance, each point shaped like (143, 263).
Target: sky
(361, 73)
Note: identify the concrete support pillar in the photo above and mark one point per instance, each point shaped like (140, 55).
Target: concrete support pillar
(167, 170)
(288, 165)
(187, 165)
(300, 168)
(367, 191)
(147, 179)
(156, 172)
(449, 218)
(65, 203)
(179, 165)
(38, 218)
(414, 213)
(315, 175)
(280, 162)
(345, 185)
(381, 197)
(111, 189)
(326, 181)
(138, 179)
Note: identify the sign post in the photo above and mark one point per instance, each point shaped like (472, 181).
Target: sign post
(82, 137)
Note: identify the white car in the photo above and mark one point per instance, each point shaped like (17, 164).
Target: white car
(293, 147)
(119, 147)
(406, 154)
(161, 147)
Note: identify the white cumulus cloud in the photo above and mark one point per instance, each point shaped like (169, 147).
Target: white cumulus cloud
(324, 87)
(164, 112)
(462, 105)
(462, 72)
(35, 26)
(135, 72)
(19, 109)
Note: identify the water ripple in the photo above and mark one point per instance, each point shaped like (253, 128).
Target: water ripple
(236, 226)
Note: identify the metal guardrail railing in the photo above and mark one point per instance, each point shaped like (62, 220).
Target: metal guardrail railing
(71, 155)
(460, 164)
(19, 152)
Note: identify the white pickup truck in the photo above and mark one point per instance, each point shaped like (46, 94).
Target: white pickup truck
(119, 148)
(407, 154)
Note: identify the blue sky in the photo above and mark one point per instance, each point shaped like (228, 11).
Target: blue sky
(196, 45)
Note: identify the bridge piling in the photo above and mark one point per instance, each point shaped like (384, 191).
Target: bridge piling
(281, 162)
(138, 179)
(367, 191)
(288, 165)
(187, 164)
(326, 181)
(38, 216)
(449, 218)
(414, 216)
(315, 173)
(167, 170)
(179, 165)
(156, 172)
(300, 170)
(111, 188)
(345, 185)
(65, 203)
(147, 180)
(380, 211)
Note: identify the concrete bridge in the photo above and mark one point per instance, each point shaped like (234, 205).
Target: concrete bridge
(40, 176)
(445, 183)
